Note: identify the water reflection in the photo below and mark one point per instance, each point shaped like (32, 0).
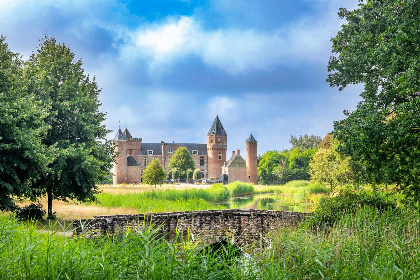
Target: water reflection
(265, 202)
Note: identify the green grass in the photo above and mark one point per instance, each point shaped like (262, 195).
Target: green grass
(168, 200)
(239, 188)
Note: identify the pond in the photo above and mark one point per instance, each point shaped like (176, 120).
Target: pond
(265, 202)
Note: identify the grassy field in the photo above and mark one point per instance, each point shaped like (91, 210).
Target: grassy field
(365, 245)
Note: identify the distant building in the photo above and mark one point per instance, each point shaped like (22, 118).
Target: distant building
(134, 156)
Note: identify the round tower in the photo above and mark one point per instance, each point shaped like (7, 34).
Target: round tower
(251, 160)
(119, 169)
(216, 149)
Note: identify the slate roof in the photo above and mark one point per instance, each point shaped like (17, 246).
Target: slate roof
(131, 161)
(201, 148)
(217, 128)
(127, 134)
(120, 135)
(155, 147)
(251, 139)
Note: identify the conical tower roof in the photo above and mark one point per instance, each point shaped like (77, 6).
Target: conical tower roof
(217, 128)
(251, 138)
(127, 134)
(120, 135)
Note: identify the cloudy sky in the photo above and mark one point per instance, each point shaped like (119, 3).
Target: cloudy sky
(164, 66)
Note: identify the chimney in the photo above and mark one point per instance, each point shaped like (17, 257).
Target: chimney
(233, 153)
(238, 152)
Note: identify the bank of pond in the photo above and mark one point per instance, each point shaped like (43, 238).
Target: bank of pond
(301, 196)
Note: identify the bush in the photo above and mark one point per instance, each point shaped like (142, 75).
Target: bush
(240, 188)
(197, 174)
(33, 211)
(297, 183)
(330, 210)
(218, 193)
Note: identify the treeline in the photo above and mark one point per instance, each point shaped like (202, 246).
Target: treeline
(52, 137)
(275, 167)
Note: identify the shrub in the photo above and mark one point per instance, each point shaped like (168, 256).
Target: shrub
(33, 211)
(330, 210)
(219, 193)
(240, 188)
(197, 174)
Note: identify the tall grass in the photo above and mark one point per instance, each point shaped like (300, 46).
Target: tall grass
(238, 188)
(168, 200)
(365, 245)
(28, 254)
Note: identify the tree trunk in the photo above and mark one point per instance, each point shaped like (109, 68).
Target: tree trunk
(155, 186)
(50, 199)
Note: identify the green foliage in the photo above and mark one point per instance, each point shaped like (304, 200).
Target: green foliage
(266, 166)
(305, 142)
(331, 167)
(81, 154)
(181, 160)
(189, 173)
(239, 188)
(31, 212)
(317, 189)
(219, 193)
(197, 174)
(378, 47)
(154, 173)
(23, 158)
(332, 209)
(175, 174)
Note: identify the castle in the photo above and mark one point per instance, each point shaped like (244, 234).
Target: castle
(134, 156)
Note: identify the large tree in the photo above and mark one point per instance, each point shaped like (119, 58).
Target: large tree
(82, 154)
(379, 47)
(181, 160)
(22, 156)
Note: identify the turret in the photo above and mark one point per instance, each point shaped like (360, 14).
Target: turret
(127, 148)
(251, 160)
(216, 149)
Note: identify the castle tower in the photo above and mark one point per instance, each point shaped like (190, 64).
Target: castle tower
(216, 149)
(251, 160)
(119, 169)
(127, 149)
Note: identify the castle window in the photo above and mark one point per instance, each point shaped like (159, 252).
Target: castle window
(150, 152)
(201, 161)
(170, 150)
(195, 152)
(144, 161)
(220, 156)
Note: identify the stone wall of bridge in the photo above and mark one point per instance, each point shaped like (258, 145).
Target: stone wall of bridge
(240, 227)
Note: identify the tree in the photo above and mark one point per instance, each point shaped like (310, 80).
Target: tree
(189, 173)
(305, 142)
(378, 46)
(331, 167)
(82, 154)
(181, 160)
(154, 173)
(267, 165)
(22, 156)
(197, 174)
(175, 174)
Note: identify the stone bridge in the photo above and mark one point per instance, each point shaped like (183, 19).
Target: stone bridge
(242, 228)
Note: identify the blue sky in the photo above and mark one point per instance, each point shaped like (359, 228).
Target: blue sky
(165, 66)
